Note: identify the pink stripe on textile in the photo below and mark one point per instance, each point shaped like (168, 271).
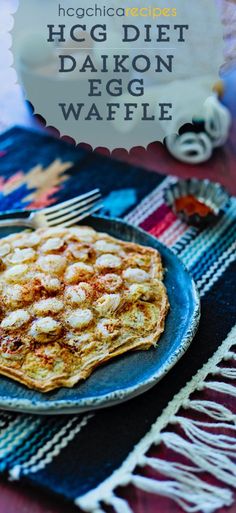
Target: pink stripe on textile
(162, 226)
(15, 178)
(44, 200)
(155, 218)
(176, 235)
(9, 182)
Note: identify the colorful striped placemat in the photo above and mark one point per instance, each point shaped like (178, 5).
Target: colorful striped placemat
(187, 416)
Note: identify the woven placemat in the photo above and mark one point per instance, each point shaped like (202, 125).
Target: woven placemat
(84, 458)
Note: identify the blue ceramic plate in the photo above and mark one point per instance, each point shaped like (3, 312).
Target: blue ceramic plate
(133, 373)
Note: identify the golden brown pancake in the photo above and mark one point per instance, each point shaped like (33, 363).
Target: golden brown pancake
(72, 299)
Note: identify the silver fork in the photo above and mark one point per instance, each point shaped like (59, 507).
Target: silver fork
(64, 214)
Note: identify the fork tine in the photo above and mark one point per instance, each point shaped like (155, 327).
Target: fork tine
(56, 215)
(66, 203)
(82, 216)
(74, 213)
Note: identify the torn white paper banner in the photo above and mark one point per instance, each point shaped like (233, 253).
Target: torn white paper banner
(117, 76)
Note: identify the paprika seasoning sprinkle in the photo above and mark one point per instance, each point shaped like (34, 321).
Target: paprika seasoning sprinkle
(191, 205)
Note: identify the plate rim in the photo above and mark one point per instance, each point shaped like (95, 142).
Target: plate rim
(64, 406)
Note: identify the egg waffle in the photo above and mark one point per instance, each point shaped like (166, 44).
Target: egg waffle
(72, 299)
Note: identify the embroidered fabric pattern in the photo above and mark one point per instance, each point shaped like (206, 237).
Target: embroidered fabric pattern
(196, 427)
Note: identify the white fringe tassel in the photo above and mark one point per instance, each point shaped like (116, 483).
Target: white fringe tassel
(119, 505)
(220, 386)
(189, 492)
(213, 410)
(203, 443)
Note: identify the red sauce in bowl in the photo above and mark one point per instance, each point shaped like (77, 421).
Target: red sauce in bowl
(191, 205)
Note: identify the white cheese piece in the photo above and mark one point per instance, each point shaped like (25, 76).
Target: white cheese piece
(84, 338)
(136, 275)
(102, 246)
(46, 306)
(28, 241)
(16, 273)
(111, 282)
(52, 245)
(4, 249)
(50, 284)
(15, 319)
(108, 303)
(53, 264)
(79, 252)
(13, 294)
(45, 326)
(78, 271)
(83, 233)
(80, 318)
(108, 261)
(57, 232)
(75, 295)
(137, 290)
(21, 256)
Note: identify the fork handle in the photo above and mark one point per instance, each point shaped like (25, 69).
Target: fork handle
(16, 222)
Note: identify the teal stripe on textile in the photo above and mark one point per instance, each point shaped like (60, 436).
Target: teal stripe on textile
(35, 440)
(205, 239)
(16, 434)
(216, 250)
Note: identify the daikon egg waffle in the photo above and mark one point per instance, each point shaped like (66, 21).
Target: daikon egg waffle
(72, 299)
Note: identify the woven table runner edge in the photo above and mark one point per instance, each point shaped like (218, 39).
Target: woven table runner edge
(192, 493)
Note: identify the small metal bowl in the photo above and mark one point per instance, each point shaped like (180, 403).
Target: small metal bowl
(211, 194)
